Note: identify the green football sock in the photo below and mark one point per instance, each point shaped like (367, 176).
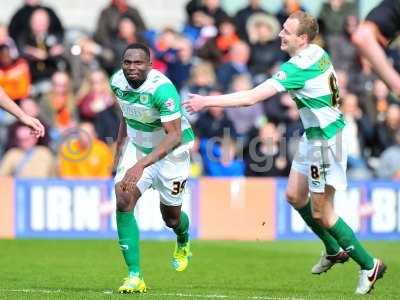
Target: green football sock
(331, 245)
(128, 234)
(348, 241)
(182, 230)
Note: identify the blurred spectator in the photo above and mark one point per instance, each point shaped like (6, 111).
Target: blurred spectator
(241, 17)
(27, 160)
(362, 83)
(389, 162)
(265, 154)
(5, 39)
(198, 21)
(200, 27)
(87, 56)
(343, 82)
(244, 118)
(385, 131)
(288, 7)
(58, 107)
(220, 159)
(265, 51)
(15, 77)
(377, 104)
(214, 123)
(275, 110)
(96, 104)
(212, 8)
(237, 64)
(85, 156)
(226, 37)
(360, 131)
(204, 19)
(333, 16)
(126, 34)
(107, 24)
(202, 80)
(291, 116)
(30, 107)
(20, 21)
(341, 50)
(180, 63)
(191, 7)
(43, 49)
(164, 49)
(216, 48)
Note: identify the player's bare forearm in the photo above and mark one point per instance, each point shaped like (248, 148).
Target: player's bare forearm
(9, 105)
(243, 98)
(120, 141)
(171, 140)
(369, 47)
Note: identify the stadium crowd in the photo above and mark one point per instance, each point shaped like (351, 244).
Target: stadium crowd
(61, 76)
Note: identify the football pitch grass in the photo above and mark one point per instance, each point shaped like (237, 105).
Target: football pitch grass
(82, 269)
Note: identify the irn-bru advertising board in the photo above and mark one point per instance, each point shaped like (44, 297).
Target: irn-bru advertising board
(219, 208)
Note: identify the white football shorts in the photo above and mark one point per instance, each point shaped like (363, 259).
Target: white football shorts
(324, 162)
(168, 176)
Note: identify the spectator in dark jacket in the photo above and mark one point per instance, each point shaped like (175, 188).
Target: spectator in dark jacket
(20, 20)
(241, 17)
(107, 24)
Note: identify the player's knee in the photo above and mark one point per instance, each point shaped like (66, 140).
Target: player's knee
(295, 199)
(322, 220)
(171, 222)
(123, 202)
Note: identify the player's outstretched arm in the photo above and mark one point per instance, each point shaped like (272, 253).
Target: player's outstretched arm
(9, 105)
(366, 41)
(261, 92)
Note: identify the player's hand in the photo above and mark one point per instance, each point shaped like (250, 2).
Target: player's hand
(194, 104)
(34, 124)
(131, 177)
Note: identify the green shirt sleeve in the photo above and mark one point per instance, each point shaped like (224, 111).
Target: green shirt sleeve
(290, 77)
(168, 102)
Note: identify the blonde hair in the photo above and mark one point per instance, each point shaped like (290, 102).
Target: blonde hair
(87, 84)
(203, 69)
(308, 25)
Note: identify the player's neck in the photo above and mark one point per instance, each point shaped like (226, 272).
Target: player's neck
(298, 50)
(136, 84)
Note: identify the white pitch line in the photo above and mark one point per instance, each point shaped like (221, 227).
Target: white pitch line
(32, 291)
(212, 296)
(207, 296)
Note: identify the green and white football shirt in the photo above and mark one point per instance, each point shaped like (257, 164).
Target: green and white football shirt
(310, 79)
(145, 108)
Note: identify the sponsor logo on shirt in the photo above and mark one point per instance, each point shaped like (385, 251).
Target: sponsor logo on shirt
(281, 75)
(170, 104)
(119, 93)
(144, 99)
(315, 183)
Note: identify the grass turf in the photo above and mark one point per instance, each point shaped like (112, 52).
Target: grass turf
(81, 269)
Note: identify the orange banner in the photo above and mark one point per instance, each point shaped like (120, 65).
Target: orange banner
(7, 229)
(237, 209)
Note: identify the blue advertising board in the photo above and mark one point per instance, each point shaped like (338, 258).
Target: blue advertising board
(371, 208)
(85, 209)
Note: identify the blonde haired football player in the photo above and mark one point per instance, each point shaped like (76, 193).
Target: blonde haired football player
(319, 167)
